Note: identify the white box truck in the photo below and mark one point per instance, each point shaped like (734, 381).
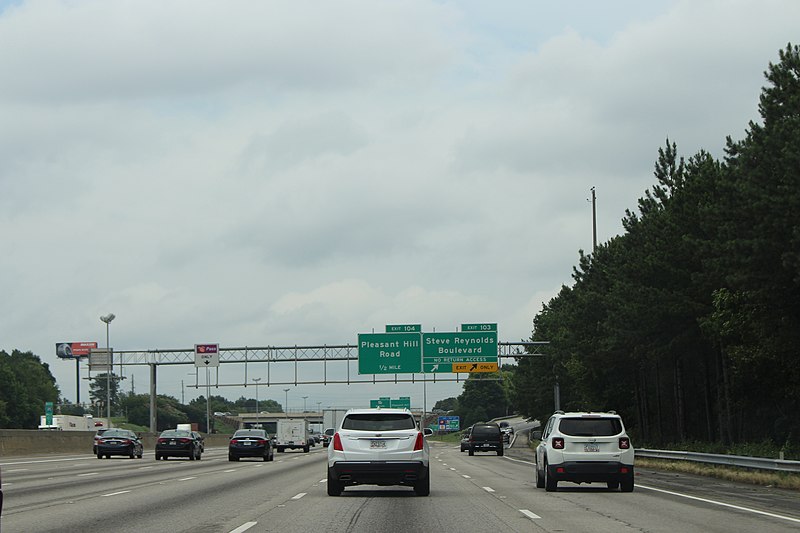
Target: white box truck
(292, 433)
(68, 423)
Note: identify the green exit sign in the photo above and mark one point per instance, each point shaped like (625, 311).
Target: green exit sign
(403, 328)
(479, 327)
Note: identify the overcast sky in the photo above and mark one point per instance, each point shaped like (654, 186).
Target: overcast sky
(280, 173)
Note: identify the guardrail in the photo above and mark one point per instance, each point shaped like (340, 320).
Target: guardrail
(741, 461)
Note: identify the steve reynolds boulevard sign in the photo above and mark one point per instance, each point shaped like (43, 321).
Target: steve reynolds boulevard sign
(404, 349)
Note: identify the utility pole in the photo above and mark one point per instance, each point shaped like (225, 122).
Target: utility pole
(594, 221)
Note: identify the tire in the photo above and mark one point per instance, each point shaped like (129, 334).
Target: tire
(612, 485)
(306, 449)
(199, 455)
(140, 454)
(131, 455)
(335, 488)
(626, 484)
(539, 475)
(265, 458)
(271, 456)
(99, 456)
(280, 450)
(192, 456)
(423, 486)
(500, 452)
(108, 456)
(550, 484)
(471, 452)
(158, 457)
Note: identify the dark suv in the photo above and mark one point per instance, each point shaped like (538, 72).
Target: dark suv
(485, 438)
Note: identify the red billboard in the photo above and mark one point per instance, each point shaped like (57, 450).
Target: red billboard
(73, 350)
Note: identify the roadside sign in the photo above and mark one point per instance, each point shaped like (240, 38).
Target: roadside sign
(440, 351)
(73, 350)
(100, 359)
(474, 367)
(479, 327)
(389, 353)
(404, 328)
(449, 423)
(401, 403)
(48, 413)
(206, 355)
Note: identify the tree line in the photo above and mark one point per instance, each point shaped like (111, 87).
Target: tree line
(688, 323)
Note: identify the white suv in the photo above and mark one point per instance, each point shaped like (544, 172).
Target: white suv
(378, 447)
(584, 448)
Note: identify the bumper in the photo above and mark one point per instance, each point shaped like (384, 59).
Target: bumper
(175, 452)
(379, 472)
(250, 451)
(485, 446)
(590, 471)
(114, 450)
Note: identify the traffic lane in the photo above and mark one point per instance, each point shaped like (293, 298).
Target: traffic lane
(204, 496)
(594, 507)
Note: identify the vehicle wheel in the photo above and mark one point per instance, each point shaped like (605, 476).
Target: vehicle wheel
(192, 457)
(99, 456)
(140, 454)
(306, 449)
(108, 456)
(539, 475)
(500, 452)
(280, 450)
(613, 485)
(550, 484)
(471, 452)
(423, 486)
(199, 455)
(335, 488)
(158, 457)
(131, 455)
(271, 456)
(265, 458)
(626, 484)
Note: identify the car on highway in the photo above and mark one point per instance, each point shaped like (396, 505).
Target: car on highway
(465, 439)
(584, 447)
(379, 447)
(250, 443)
(327, 435)
(177, 443)
(485, 438)
(97, 436)
(116, 441)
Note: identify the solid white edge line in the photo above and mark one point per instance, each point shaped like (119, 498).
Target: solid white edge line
(298, 496)
(243, 527)
(529, 514)
(115, 493)
(722, 504)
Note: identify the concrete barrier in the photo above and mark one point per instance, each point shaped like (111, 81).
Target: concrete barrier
(24, 442)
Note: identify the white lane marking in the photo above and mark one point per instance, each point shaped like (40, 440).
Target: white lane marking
(244, 527)
(451, 468)
(43, 461)
(298, 496)
(17, 470)
(722, 504)
(231, 470)
(187, 478)
(529, 514)
(144, 467)
(488, 489)
(465, 476)
(507, 458)
(88, 474)
(323, 480)
(115, 493)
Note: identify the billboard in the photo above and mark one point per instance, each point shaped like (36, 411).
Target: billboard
(73, 350)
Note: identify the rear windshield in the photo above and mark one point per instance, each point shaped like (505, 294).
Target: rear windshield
(485, 430)
(378, 421)
(250, 433)
(175, 433)
(590, 427)
(117, 433)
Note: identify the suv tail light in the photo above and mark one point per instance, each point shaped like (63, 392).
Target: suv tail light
(558, 443)
(337, 443)
(624, 443)
(418, 443)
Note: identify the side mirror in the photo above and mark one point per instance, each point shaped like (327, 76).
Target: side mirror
(536, 435)
(427, 432)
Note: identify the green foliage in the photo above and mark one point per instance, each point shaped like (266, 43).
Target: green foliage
(446, 405)
(482, 399)
(688, 324)
(26, 384)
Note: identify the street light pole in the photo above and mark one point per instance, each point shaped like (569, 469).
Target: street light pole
(304, 403)
(107, 319)
(258, 424)
(286, 403)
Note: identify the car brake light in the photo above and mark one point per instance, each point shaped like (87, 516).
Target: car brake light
(558, 443)
(337, 443)
(184, 441)
(234, 441)
(624, 443)
(162, 441)
(418, 443)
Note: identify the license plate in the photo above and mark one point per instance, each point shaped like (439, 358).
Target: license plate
(247, 443)
(591, 448)
(172, 443)
(377, 444)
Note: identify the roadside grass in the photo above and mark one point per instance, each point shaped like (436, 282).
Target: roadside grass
(782, 480)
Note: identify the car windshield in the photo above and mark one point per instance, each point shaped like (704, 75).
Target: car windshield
(590, 427)
(117, 433)
(330, 431)
(175, 433)
(378, 421)
(250, 433)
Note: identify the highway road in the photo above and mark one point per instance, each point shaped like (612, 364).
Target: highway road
(80, 493)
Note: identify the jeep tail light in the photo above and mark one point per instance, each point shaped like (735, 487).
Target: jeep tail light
(558, 443)
(624, 443)
(337, 443)
(418, 443)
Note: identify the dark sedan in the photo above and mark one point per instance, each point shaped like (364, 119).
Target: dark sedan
(119, 442)
(177, 443)
(250, 443)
